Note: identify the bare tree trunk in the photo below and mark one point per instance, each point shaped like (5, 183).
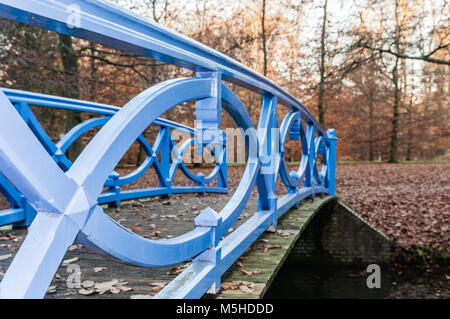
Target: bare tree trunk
(321, 96)
(69, 59)
(395, 127)
(371, 152)
(411, 123)
(263, 35)
(93, 73)
(395, 79)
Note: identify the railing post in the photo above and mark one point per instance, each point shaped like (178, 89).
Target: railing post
(309, 174)
(294, 135)
(268, 151)
(201, 182)
(115, 188)
(208, 113)
(332, 138)
(165, 160)
(221, 151)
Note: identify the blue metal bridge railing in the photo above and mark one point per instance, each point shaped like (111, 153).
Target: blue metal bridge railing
(65, 196)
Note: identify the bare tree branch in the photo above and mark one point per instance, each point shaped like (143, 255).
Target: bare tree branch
(425, 57)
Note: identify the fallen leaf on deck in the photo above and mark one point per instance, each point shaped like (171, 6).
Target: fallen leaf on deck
(245, 289)
(249, 284)
(51, 290)
(86, 292)
(97, 269)
(3, 257)
(115, 291)
(70, 260)
(268, 247)
(87, 284)
(246, 272)
(186, 265)
(106, 286)
(136, 229)
(121, 284)
(158, 288)
(158, 283)
(175, 271)
(225, 286)
(73, 247)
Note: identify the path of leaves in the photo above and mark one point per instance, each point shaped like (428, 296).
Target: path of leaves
(410, 203)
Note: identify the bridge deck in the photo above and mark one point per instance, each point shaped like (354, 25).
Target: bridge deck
(170, 217)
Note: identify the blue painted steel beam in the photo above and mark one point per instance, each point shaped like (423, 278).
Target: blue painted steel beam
(47, 100)
(11, 194)
(11, 216)
(157, 191)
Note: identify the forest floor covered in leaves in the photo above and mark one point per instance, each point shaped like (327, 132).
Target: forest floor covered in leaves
(410, 203)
